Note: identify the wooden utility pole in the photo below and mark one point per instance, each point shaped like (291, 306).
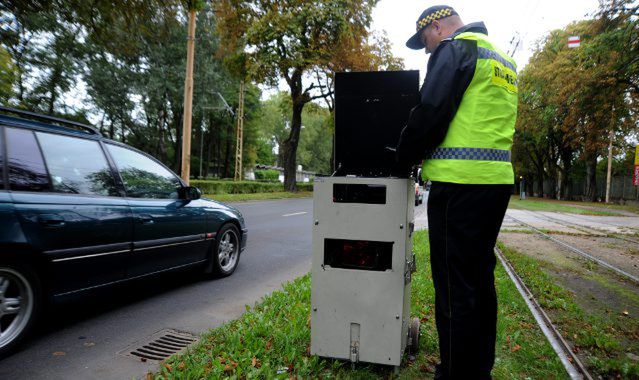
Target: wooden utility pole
(239, 135)
(609, 178)
(188, 99)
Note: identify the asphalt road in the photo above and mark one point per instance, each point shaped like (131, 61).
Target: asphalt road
(83, 339)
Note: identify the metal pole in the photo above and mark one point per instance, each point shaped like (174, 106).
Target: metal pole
(188, 99)
(239, 135)
(201, 148)
(608, 179)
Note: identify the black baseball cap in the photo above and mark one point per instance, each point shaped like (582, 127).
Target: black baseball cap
(431, 14)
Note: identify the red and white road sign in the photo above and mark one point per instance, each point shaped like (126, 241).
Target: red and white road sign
(574, 41)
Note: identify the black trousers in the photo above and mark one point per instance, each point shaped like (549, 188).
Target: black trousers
(464, 221)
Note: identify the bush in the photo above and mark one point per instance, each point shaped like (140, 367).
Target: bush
(243, 187)
(267, 175)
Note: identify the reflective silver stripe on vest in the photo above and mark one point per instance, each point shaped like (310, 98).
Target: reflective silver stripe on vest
(479, 154)
(489, 54)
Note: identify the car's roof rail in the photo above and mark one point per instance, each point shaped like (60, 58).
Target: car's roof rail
(52, 119)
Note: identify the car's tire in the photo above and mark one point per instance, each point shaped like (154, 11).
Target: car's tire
(225, 255)
(20, 304)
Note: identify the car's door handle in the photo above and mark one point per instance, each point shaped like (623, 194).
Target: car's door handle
(146, 219)
(51, 220)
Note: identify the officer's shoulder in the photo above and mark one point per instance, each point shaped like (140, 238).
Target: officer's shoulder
(461, 45)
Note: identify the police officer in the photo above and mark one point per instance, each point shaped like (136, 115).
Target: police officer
(463, 129)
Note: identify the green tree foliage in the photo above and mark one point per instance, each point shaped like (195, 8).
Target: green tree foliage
(316, 142)
(7, 75)
(134, 89)
(570, 100)
(290, 39)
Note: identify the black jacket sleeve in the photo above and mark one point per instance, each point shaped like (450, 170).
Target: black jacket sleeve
(450, 71)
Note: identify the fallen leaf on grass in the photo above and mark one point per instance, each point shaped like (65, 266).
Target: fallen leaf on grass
(89, 344)
(168, 367)
(269, 344)
(181, 366)
(516, 348)
(255, 362)
(625, 313)
(59, 353)
(149, 376)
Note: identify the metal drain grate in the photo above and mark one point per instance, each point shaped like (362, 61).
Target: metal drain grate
(160, 346)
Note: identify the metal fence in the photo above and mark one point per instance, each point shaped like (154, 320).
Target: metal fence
(621, 187)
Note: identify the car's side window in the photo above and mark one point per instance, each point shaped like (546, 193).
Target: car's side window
(26, 167)
(2, 181)
(143, 177)
(77, 166)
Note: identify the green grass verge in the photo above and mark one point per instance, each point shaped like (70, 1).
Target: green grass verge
(258, 196)
(604, 340)
(244, 187)
(272, 339)
(539, 204)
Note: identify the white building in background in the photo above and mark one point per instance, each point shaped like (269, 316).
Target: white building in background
(300, 175)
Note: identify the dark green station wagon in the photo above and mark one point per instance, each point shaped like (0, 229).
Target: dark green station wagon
(79, 211)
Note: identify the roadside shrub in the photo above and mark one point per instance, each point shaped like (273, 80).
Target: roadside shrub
(243, 187)
(270, 175)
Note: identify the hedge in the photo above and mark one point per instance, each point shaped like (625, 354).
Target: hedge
(243, 187)
(267, 175)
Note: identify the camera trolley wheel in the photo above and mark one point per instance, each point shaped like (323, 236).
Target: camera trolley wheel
(413, 336)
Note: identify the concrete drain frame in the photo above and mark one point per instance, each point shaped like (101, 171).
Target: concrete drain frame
(160, 346)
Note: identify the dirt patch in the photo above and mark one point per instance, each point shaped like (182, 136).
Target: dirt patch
(620, 253)
(539, 249)
(596, 289)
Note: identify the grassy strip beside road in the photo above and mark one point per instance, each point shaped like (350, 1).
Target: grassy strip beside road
(258, 196)
(606, 342)
(272, 339)
(244, 187)
(539, 204)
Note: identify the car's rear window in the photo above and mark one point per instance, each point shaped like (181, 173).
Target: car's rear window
(77, 166)
(26, 167)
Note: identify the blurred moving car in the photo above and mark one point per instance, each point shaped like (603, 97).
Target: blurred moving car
(79, 211)
(419, 194)
(419, 186)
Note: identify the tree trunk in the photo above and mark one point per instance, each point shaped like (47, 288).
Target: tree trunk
(591, 178)
(227, 155)
(290, 144)
(540, 178)
(290, 148)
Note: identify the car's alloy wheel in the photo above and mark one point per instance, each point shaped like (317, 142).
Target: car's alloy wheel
(226, 252)
(17, 305)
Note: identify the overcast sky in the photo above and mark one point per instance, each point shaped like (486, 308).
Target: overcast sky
(531, 19)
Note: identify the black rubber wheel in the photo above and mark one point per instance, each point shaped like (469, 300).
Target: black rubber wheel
(413, 336)
(20, 304)
(225, 255)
